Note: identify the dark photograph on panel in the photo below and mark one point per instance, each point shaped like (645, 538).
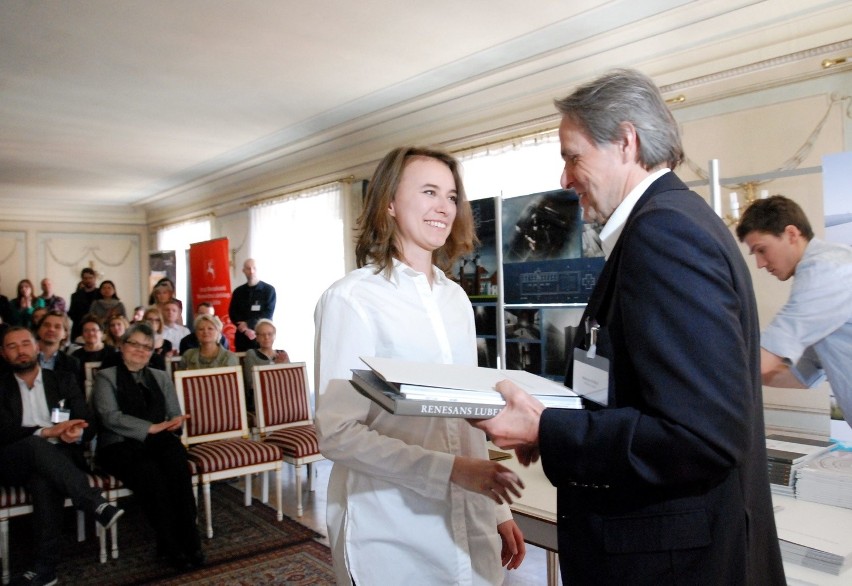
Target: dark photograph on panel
(477, 272)
(485, 319)
(524, 356)
(486, 351)
(523, 324)
(560, 325)
(542, 226)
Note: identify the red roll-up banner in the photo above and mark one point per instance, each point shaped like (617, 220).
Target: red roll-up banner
(210, 279)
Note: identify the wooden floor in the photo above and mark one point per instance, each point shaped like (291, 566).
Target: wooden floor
(533, 572)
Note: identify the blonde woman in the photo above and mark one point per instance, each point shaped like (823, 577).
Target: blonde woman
(115, 328)
(210, 353)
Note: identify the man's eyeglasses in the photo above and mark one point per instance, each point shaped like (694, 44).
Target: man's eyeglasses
(139, 346)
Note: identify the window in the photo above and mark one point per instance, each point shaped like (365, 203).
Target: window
(178, 238)
(298, 245)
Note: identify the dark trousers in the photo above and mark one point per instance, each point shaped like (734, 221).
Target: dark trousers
(48, 471)
(157, 472)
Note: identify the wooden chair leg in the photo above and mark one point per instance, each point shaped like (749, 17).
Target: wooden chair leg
(311, 473)
(247, 491)
(264, 491)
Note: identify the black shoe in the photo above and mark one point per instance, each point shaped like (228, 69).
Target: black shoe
(107, 514)
(179, 562)
(35, 579)
(197, 558)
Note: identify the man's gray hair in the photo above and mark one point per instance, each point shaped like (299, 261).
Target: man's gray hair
(626, 95)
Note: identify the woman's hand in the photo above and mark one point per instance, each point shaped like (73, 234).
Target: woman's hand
(172, 424)
(486, 477)
(514, 549)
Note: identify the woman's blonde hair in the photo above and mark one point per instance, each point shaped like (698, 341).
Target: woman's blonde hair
(217, 323)
(377, 229)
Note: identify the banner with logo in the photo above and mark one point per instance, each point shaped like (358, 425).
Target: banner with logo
(210, 279)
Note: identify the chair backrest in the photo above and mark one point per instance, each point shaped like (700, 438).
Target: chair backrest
(91, 369)
(280, 396)
(215, 401)
(172, 365)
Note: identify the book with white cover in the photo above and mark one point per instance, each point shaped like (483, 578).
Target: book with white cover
(446, 383)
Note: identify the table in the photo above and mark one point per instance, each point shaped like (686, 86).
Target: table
(535, 514)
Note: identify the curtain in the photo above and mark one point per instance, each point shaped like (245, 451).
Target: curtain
(298, 244)
(517, 167)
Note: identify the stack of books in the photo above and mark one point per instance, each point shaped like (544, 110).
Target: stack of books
(792, 412)
(405, 387)
(827, 479)
(814, 535)
(786, 455)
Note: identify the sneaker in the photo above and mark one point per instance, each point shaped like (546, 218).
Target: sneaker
(36, 579)
(107, 514)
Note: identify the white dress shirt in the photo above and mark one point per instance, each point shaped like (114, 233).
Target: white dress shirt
(36, 412)
(393, 515)
(615, 224)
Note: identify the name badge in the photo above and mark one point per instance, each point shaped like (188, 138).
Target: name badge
(59, 415)
(591, 376)
(255, 307)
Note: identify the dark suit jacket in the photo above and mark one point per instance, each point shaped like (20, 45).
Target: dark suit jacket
(57, 386)
(669, 484)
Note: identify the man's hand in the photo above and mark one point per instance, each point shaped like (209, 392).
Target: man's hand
(486, 477)
(514, 549)
(172, 424)
(68, 431)
(516, 426)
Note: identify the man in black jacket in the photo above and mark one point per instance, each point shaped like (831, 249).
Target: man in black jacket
(43, 420)
(81, 300)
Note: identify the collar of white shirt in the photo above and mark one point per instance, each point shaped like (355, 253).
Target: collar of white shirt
(399, 268)
(613, 227)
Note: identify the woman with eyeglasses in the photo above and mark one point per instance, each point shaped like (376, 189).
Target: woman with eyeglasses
(139, 443)
(93, 349)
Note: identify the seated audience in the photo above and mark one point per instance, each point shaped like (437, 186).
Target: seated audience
(173, 331)
(162, 346)
(209, 353)
(52, 332)
(163, 292)
(109, 304)
(6, 312)
(93, 348)
(24, 304)
(51, 301)
(138, 314)
(36, 317)
(139, 443)
(191, 340)
(265, 354)
(45, 456)
(115, 328)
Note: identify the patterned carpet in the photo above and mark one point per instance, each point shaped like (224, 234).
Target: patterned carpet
(249, 547)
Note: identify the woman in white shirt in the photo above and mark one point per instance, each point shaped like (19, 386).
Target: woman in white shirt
(411, 500)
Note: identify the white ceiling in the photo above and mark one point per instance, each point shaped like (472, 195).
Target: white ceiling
(155, 105)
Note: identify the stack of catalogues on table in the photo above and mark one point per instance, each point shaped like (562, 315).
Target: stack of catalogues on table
(827, 479)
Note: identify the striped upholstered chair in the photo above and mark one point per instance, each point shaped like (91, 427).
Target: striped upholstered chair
(15, 501)
(216, 433)
(284, 419)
